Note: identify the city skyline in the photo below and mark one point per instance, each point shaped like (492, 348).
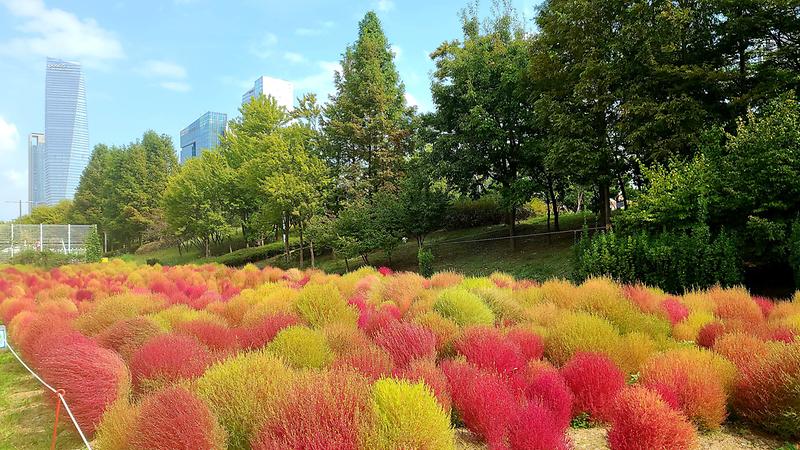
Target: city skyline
(66, 130)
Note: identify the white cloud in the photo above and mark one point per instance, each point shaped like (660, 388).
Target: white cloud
(411, 100)
(398, 52)
(264, 47)
(384, 5)
(16, 178)
(58, 33)
(9, 137)
(321, 82)
(177, 86)
(162, 69)
(294, 58)
(323, 26)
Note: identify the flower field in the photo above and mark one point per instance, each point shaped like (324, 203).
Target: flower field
(208, 357)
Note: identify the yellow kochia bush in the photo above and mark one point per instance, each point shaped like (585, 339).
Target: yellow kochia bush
(117, 426)
(463, 307)
(406, 415)
(241, 390)
(322, 304)
(578, 331)
(105, 312)
(302, 348)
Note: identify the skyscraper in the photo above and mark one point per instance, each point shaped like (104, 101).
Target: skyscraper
(202, 134)
(281, 90)
(66, 127)
(35, 169)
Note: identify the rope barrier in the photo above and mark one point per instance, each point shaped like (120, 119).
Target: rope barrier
(521, 236)
(59, 393)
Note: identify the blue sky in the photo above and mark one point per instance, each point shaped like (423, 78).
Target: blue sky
(161, 64)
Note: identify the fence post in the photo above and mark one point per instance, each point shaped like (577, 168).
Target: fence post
(69, 239)
(41, 237)
(12, 240)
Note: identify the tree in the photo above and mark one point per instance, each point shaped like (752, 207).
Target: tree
(93, 189)
(367, 123)
(48, 214)
(423, 199)
(483, 120)
(193, 202)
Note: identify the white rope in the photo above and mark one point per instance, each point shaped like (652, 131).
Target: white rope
(60, 396)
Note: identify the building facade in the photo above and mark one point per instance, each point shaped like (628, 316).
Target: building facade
(202, 134)
(281, 90)
(35, 169)
(67, 129)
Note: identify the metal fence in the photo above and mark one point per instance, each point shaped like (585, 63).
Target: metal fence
(66, 239)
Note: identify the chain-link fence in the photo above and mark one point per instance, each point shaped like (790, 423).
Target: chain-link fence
(66, 239)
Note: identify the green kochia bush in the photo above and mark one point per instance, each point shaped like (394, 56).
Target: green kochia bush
(302, 348)
(407, 415)
(673, 261)
(322, 304)
(463, 307)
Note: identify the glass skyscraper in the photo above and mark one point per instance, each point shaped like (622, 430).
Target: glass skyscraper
(36, 147)
(281, 90)
(202, 134)
(67, 129)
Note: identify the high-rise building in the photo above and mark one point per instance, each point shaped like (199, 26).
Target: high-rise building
(35, 169)
(66, 126)
(202, 134)
(281, 90)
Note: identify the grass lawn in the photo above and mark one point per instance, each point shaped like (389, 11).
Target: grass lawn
(26, 415)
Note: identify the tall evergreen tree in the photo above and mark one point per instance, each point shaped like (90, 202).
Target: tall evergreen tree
(92, 189)
(367, 123)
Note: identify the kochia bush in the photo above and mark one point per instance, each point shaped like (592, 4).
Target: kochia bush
(640, 420)
(167, 359)
(407, 342)
(302, 348)
(463, 307)
(487, 348)
(322, 304)
(595, 381)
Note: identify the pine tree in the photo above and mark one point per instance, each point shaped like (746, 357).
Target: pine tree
(368, 123)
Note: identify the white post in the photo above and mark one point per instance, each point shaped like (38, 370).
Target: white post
(41, 237)
(69, 239)
(12, 240)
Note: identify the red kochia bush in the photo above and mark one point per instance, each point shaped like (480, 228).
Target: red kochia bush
(549, 389)
(534, 428)
(483, 399)
(487, 348)
(674, 310)
(321, 411)
(530, 344)
(125, 336)
(213, 335)
(642, 421)
(371, 361)
(406, 342)
(92, 379)
(175, 419)
(595, 381)
(709, 333)
(168, 358)
(261, 334)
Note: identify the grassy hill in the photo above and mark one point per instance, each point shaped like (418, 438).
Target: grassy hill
(475, 251)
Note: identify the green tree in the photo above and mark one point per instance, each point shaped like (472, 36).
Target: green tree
(93, 189)
(423, 199)
(48, 214)
(94, 249)
(193, 201)
(367, 123)
(483, 120)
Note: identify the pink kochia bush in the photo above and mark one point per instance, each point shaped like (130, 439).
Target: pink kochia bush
(487, 348)
(640, 420)
(169, 358)
(535, 428)
(595, 381)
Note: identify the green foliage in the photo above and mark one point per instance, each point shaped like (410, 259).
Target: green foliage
(93, 246)
(794, 251)
(673, 261)
(244, 256)
(407, 415)
(323, 304)
(465, 212)
(422, 200)
(302, 348)
(425, 261)
(364, 226)
(46, 258)
(48, 214)
(463, 307)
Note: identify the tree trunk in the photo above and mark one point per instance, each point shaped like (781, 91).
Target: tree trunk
(580, 200)
(206, 242)
(624, 192)
(554, 202)
(300, 228)
(512, 229)
(547, 203)
(286, 236)
(311, 247)
(605, 208)
(346, 265)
